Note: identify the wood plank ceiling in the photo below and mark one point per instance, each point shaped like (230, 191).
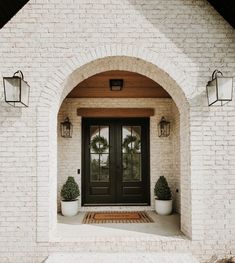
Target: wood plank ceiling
(135, 86)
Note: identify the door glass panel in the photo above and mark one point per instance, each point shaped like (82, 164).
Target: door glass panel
(136, 173)
(126, 135)
(136, 133)
(94, 167)
(94, 132)
(131, 153)
(99, 153)
(104, 133)
(104, 167)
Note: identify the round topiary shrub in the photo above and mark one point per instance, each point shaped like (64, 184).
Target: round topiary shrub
(162, 190)
(70, 190)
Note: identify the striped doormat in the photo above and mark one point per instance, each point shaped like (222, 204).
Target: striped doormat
(116, 217)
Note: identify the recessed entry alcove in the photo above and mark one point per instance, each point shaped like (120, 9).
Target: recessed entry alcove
(112, 180)
(63, 157)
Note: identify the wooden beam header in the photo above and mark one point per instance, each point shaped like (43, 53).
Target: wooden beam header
(115, 112)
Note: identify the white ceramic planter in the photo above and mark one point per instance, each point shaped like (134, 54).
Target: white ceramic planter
(69, 208)
(163, 207)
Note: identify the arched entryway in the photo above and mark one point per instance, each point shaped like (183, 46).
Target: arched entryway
(119, 176)
(52, 98)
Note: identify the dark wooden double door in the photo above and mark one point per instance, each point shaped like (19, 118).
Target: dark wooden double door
(115, 161)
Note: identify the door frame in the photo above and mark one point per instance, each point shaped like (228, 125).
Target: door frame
(146, 121)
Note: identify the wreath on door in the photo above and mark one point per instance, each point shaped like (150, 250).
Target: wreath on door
(127, 144)
(99, 144)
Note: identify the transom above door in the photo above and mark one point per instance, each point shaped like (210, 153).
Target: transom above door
(115, 161)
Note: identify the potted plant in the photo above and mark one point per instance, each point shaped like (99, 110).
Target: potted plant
(163, 200)
(70, 192)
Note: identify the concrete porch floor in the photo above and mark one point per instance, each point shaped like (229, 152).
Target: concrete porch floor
(164, 227)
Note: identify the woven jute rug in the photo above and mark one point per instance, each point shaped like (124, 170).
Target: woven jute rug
(116, 217)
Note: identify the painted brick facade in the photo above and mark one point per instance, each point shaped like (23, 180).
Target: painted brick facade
(57, 44)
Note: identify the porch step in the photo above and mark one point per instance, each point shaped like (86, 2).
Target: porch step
(121, 257)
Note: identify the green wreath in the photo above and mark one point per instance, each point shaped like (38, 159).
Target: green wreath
(129, 139)
(99, 144)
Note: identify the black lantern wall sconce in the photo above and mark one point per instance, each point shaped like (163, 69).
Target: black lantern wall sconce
(163, 128)
(219, 89)
(116, 84)
(66, 128)
(16, 90)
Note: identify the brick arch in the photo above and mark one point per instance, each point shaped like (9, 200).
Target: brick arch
(153, 65)
(63, 80)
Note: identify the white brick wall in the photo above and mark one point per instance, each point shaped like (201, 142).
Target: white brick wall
(175, 129)
(164, 152)
(57, 43)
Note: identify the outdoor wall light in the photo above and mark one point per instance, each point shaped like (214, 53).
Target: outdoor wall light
(219, 89)
(116, 84)
(16, 90)
(163, 128)
(66, 128)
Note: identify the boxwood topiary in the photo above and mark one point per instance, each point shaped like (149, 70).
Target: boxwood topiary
(162, 190)
(70, 190)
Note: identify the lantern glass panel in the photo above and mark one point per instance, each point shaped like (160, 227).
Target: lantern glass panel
(24, 93)
(163, 128)
(211, 92)
(66, 129)
(116, 88)
(225, 86)
(12, 89)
